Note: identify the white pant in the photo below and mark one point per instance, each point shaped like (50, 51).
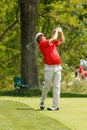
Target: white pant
(52, 76)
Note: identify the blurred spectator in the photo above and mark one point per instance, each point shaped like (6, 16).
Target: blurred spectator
(77, 73)
(83, 63)
(82, 73)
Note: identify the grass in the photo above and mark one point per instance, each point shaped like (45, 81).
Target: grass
(22, 113)
(18, 116)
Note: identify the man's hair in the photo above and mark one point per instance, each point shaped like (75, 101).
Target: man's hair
(38, 40)
(37, 35)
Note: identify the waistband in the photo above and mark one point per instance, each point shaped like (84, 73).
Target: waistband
(52, 65)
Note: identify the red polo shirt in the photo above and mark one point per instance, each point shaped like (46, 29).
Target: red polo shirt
(49, 52)
(84, 74)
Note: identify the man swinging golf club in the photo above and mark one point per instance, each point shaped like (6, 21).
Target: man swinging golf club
(52, 66)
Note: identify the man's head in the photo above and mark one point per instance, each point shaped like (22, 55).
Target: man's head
(39, 36)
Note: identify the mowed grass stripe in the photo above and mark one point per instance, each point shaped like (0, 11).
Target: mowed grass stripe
(18, 116)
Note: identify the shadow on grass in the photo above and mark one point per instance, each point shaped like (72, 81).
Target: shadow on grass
(37, 92)
(17, 116)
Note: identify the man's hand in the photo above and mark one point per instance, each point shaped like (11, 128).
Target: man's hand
(59, 29)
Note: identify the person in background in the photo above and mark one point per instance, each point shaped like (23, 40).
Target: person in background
(83, 63)
(82, 73)
(52, 66)
(77, 76)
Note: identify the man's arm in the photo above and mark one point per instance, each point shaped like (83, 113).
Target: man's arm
(55, 36)
(62, 38)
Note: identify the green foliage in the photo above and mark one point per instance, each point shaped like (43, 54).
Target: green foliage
(72, 17)
(9, 41)
(69, 14)
(74, 87)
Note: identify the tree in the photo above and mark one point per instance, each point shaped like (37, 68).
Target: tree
(9, 41)
(69, 14)
(29, 64)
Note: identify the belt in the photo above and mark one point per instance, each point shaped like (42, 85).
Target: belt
(53, 65)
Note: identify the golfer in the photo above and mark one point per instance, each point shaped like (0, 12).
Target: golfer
(52, 66)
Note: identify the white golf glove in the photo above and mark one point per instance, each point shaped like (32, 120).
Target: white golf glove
(59, 29)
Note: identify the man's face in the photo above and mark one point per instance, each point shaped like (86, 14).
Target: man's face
(41, 37)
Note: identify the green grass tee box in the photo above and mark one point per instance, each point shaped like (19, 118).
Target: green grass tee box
(23, 113)
(18, 116)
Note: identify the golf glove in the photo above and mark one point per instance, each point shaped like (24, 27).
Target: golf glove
(59, 29)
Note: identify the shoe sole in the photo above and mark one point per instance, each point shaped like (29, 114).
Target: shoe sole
(52, 109)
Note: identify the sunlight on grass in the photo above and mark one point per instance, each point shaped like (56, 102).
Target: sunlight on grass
(72, 113)
(18, 116)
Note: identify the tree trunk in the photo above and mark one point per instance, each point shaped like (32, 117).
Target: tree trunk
(29, 54)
